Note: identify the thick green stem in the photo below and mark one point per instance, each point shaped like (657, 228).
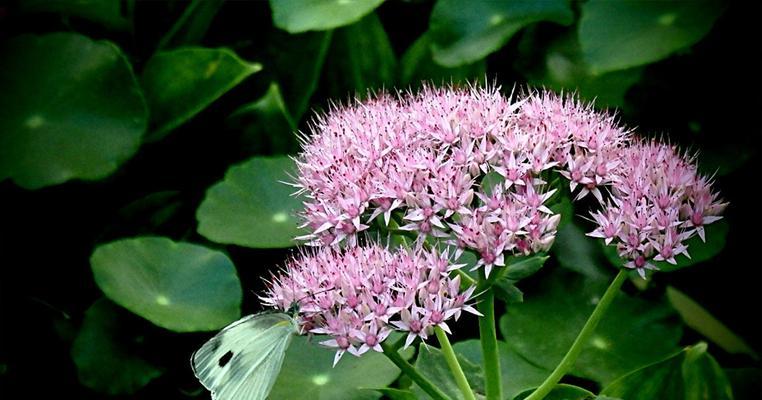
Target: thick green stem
(452, 362)
(584, 335)
(488, 335)
(408, 369)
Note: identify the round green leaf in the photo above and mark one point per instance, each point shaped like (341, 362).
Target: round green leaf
(465, 32)
(634, 332)
(431, 364)
(180, 83)
(318, 15)
(517, 374)
(688, 375)
(71, 108)
(178, 286)
(307, 374)
(251, 206)
(616, 35)
(105, 354)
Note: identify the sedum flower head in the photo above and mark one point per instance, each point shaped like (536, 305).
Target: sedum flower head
(469, 166)
(421, 163)
(359, 295)
(658, 201)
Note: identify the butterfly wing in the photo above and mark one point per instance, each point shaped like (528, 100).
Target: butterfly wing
(244, 359)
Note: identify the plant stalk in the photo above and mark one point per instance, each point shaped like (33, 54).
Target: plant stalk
(584, 335)
(452, 362)
(408, 369)
(488, 336)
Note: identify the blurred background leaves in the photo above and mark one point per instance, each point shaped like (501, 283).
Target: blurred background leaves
(142, 144)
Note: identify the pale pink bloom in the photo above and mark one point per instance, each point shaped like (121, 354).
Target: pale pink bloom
(418, 160)
(658, 201)
(359, 295)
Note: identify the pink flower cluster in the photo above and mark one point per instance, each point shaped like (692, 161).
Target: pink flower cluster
(420, 162)
(658, 201)
(424, 162)
(359, 295)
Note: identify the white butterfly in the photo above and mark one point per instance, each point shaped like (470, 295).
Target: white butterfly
(242, 362)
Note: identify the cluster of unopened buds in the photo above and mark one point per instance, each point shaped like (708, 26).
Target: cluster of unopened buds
(479, 171)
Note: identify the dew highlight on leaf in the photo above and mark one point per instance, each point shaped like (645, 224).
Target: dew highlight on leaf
(35, 121)
(320, 380)
(162, 300)
(280, 217)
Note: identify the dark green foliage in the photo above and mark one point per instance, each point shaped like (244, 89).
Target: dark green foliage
(70, 108)
(143, 145)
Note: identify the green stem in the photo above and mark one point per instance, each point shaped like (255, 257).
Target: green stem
(452, 362)
(409, 370)
(584, 335)
(488, 335)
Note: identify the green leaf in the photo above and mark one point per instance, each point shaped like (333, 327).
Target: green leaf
(517, 374)
(688, 375)
(699, 250)
(661, 380)
(70, 109)
(307, 373)
(565, 208)
(703, 377)
(524, 266)
(105, 353)
(507, 291)
(360, 58)
(577, 252)
(746, 382)
(706, 324)
(562, 392)
(297, 16)
(297, 61)
(417, 65)
(490, 181)
(617, 35)
(182, 287)
(109, 13)
(251, 206)
(192, 25)
(431, 364)
(517, 268)
(563, 68)
(180, 83)
(633, 333)
(266, 124)
(466, 32)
